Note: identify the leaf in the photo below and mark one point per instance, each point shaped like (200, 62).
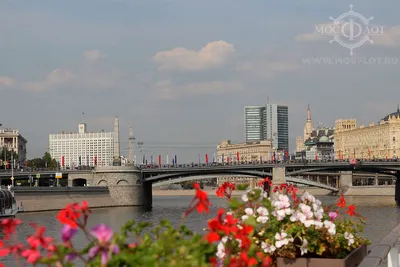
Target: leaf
(242, 187)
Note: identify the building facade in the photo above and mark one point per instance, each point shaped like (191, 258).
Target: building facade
(269, 122)
(12, 140)
(308, 128)
(257, 151)
(82, 148)
(377, 141)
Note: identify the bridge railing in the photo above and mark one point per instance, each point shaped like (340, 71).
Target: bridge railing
(385, 253)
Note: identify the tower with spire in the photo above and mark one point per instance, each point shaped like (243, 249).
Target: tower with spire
(309, 126)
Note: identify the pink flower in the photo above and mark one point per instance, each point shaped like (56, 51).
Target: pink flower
(103, 234)
(333, 215)
(67, 232)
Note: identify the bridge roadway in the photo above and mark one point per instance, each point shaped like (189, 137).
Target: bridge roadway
(290, 179)
(292, 168)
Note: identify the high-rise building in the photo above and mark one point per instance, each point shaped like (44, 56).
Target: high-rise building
(12, 140)
(269, 122)
(82, 148)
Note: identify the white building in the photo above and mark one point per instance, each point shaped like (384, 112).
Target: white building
(11, 139)
(82, 148)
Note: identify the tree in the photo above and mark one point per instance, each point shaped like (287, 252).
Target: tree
(45, 162)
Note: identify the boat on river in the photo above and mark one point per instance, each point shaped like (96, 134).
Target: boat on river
(8, 205)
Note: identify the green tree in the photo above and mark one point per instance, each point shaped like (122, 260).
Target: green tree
(45, 162)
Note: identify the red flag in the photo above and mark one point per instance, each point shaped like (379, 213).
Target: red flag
(95, 161)
(206, 158)
(27, 163)
(227, 159)
(287, 153)
(237, 156)
(316, 157)
(159, 159)
(62, 161)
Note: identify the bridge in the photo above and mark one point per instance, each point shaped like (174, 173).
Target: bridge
(133, 185)
(295, 180)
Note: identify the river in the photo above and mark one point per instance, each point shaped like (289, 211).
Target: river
(381, 212)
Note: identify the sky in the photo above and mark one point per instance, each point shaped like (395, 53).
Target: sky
(181, 71)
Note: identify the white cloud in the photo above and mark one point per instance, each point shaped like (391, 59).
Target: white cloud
(6, 81)
(389, 37)
(93, 55)
(212, 55)
(92, 76)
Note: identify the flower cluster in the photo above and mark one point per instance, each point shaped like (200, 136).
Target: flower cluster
(255, 230)
(283, 225)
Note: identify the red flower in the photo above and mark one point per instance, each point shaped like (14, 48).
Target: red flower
(203, 203)
(199, 202)
(225, 190)
(242, 261)
(9, 226)
(219, 224)
(351, 210)
(32, 255)
(341, 203)
(265, 181)
(70, 215)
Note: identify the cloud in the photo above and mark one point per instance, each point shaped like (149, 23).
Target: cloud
(389, 37)
(92, 76)
(214, 54)
(93, 55)
(6, 81)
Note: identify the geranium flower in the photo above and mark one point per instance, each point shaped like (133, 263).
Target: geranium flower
(69, 216)
(225, 190)
(351, 210)
(9, 226)
(333, 215)
(303, 248)
(341, 203)
(67, 233)
(349, 237)
(330, 226)
(281, 239)
(103, 234)
(268, 248)
(248, 212)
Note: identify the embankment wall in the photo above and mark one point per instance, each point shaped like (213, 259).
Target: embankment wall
(56, 198)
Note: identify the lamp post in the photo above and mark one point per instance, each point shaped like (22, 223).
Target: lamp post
(12, 167)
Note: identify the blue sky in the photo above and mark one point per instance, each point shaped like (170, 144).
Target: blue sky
(180, 71)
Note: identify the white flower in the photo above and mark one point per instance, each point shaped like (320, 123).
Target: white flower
(268, 248)
(248, 212)
(245, 198)
(220, 251)
(262, 219)
(330, 226)
(281, 239)
(349, 237)
(303, 248)
(262, 211)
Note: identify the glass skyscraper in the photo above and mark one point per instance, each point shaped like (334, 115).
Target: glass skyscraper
(269, 122)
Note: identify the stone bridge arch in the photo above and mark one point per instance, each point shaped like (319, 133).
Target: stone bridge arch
(122, 182)
(102, 183)
(172, 175)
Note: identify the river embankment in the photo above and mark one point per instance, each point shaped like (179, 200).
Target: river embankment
(56, 198)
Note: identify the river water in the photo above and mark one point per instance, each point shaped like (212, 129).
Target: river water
(381, 212)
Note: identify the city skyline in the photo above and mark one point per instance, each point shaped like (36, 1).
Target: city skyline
(180, 73)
